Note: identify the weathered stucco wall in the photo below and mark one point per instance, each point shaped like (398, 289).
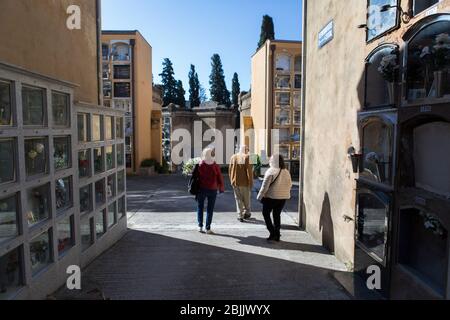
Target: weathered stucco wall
(333, 96)
(48, 47)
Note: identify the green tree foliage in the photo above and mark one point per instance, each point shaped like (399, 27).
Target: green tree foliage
(180, 94)
(267, 30)
(218, 89)
(235, 90)
(169, 84)
(194, 88)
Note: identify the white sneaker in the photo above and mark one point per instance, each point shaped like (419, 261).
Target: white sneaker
(200, 229)
(210, 232)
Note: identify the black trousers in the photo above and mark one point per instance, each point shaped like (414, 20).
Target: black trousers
(275, 207)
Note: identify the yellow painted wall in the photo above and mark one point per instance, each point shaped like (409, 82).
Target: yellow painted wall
(48, 47)
(143, 91)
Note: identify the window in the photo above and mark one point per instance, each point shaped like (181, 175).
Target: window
(112, 216)
(105, 71)
(428, 68)
(422, 5)
(63, 150)
(423, 247)
(5, 104)
(377, 150)
(100, 198)
(282, 117)
(122, 90)
(284, 135)
(296, 136)
(283, 98)
(8, 218)
(120, 155)
(119, 128)
(7, 161)
(382, 71)
(109, 128)
(122, 72)
(283, 63)
(295, 152)
(107, 88)
(297, 100)
(111, 187)
(99, 165)
(86, 199)
(83, 127)
(298, 63)
(40, 253)
(100, 224)
(33, 104)
(285, 152)
(123, 104)
(297, 117)
(36, 156)
(105, 52)
(110, 162)
(63, 194)
(84, 163)
(283, 82)
(11, 273)
(122, 207)
(97, 126)
(298, 81)
(120, 52)
(61, 109)
(38, 203)
(121, 182)
(87, 233)
(379, 22)
(66, 239)
(372, 227)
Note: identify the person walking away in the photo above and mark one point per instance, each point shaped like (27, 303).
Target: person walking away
(275, 191)
(241, 177)
(210, 183)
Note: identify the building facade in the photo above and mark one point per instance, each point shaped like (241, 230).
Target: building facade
(62, 172)
(375, 178)
(275, 102)
(128, 86)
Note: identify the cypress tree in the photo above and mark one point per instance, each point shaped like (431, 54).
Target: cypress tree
(235, 90)
(267, 30)
(194, 88)
(180, 94)
(169, 84)
(218, 89)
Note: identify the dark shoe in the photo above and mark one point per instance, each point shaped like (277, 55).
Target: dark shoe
(248, 216)
(271, 238)
(241, 220)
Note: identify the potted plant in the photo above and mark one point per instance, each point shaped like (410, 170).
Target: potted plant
(389, 70)
(441, 54)
(148, 168)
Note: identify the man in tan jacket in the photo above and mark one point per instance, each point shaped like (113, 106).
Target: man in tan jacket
(241, 176)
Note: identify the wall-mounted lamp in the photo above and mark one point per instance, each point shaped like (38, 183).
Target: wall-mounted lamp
(355, 158)
(363, 26)
(406, 15)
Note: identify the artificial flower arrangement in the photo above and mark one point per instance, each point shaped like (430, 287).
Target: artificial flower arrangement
(433, 224)
(439, 54)
(189, 166)
(389, 67)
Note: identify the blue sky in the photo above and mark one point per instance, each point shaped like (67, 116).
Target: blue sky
(191, 31)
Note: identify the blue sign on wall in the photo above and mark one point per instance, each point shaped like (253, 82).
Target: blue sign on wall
(326, 34)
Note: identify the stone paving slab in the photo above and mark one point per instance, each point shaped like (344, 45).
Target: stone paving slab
(163, 256)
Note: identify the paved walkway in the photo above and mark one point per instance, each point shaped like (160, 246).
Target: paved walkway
(163, 256)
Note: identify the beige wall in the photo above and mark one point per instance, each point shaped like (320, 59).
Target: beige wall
(332, 101)
(48, 47)
(143, 90)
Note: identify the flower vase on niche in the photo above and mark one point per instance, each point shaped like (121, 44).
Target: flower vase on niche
(391, 92)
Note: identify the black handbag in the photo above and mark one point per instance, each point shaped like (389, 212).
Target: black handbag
(194, 182)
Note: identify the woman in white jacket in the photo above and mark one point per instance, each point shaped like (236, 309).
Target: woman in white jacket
(275, 190)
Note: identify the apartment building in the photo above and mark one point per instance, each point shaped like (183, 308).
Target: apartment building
(275, 102)
(375, 178)
(62, 171)
(128, 86)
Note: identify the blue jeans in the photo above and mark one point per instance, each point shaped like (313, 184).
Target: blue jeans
(211, 196)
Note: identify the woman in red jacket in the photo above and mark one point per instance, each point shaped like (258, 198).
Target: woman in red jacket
(210, 181)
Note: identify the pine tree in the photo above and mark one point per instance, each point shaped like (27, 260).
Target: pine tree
(194, 88)
(218, 89)
(267, 30)
(169, 84)
(235, 90)
(180, 94)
